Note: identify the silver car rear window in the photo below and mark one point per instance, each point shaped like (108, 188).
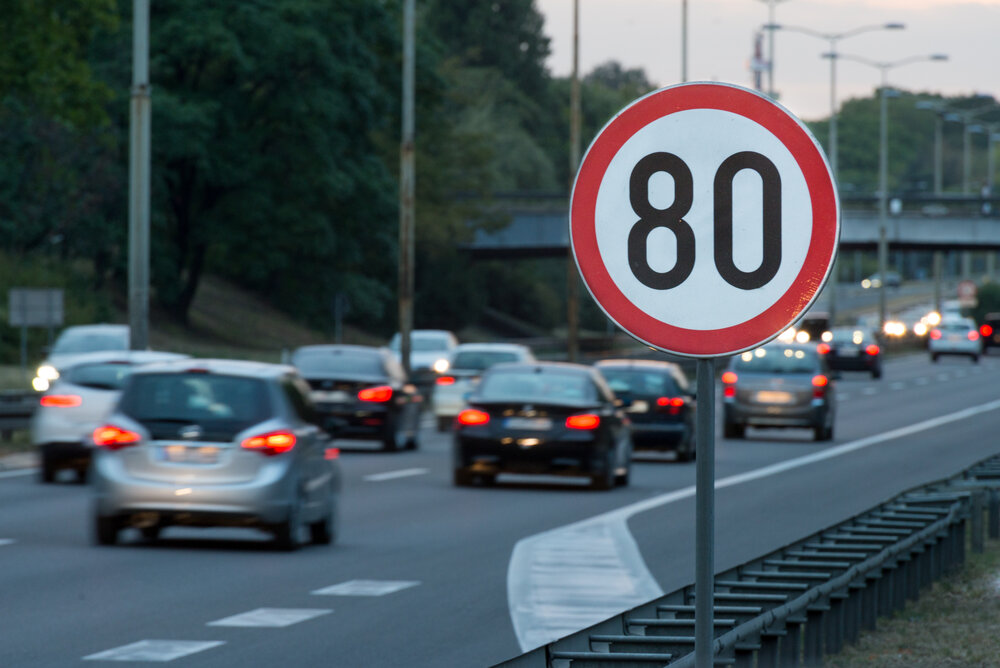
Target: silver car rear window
(480, 360)
(777, 360)
(536, 387)
(104, 376)
(312, 362)
(221, 405)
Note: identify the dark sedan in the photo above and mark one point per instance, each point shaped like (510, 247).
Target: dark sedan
(543, 418)
(362, 393)
(660, 403)
(851, 349)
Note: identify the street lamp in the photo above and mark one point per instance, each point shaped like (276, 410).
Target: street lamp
(883, 161)
(770, 48)
(833, 38)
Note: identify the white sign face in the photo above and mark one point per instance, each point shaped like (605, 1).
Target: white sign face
(704, 219)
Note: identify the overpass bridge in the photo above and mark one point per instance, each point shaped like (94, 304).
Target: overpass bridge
(538, 225)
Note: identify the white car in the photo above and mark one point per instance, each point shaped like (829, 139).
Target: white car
(430, 351)
(75, 405)
(955, 336)
(467, 364)
(74, 341)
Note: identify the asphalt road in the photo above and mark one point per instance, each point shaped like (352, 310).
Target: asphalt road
(425, 569)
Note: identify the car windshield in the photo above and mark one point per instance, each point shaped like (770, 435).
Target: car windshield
(641, 382)
(422, 343)
(89, 342)
(855, 336)
(102, 376)
(777, 359)
(478, 360)
(531, 386)
(221, 405)
(317, 362)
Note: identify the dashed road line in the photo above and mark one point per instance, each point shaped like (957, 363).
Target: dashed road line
(366, 587)
(158, 651)
(7, 541)
(271, 617)
(898, 385)
(393, 475)
(17, 473)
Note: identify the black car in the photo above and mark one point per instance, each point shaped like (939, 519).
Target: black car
(851, 349)
(989, 331)
(362, 393)
(659, 402)
(543, 418)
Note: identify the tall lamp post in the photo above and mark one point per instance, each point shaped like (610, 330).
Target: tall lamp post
(883, 163)
(770, 49)
(833, 38)
(939, 112)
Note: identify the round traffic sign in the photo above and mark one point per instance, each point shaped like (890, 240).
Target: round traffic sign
(704, 219)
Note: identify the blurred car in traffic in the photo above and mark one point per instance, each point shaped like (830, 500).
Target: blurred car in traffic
(430, 352)
(852, 349)
(466, 366)
(955, 336)
(989, 330)
(74, 341)
(215, 443)
(361, 392)
(892, 280)
(77, 402)
(778, 385)
(659, 402)
(546, 417)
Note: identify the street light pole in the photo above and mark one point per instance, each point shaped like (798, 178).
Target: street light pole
(139, 179)
(407, 178)
(572, 275)
(770, 49)
(883, 164)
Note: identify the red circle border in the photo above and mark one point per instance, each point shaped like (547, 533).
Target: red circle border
(819, 256)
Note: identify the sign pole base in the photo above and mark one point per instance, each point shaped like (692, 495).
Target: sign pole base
(705, 516)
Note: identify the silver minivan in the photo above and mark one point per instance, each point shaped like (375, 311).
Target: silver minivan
(215, 443)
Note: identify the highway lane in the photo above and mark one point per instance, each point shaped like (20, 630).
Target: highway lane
(65, 600)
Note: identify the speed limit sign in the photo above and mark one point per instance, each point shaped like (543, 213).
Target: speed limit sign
(704, 219)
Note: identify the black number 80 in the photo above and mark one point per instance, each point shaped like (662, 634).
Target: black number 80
(672, 219)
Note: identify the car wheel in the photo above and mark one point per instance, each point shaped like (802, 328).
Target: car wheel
(733, 430)
(462, 478)
(444, 422)
(81, 476)
(622, 479)
(390, 437)
(287, 533)
(324, 531)
(605, 480)
(46, 471)
(106, 530)
(876, 373)
(975, 359)
(152, 532)
(685, 451)
(934, 357)
(823, 433)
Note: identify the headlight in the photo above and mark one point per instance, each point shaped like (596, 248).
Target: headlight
(802, 336)
(47, 371)
(40, 384)
(441, 365)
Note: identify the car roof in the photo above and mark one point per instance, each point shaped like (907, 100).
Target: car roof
(638, 363)
(226, 367)
(125, 356)
(99, 327)
(341, 348)
(487, 347)
(541, 367)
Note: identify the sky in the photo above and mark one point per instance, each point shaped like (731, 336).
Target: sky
(647, 34)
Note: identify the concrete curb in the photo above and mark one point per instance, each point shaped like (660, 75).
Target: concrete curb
(19, 460)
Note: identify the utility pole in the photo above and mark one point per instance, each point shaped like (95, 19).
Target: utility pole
(139, 168)
(406, 189)
(572, 277)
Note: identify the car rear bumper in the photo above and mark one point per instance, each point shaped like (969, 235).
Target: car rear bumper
(66, 454)
(658, 435)
(492, 456)
(775, 416)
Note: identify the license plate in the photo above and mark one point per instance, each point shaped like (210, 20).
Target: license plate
(335, 397)
(190, 454)
(638, 406)
(535, 424)
(848, 352)
(774, 397)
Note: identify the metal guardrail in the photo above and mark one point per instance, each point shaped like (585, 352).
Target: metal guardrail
(803, 601)
(16, 407)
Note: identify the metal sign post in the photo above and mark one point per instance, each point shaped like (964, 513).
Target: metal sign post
(704, 221)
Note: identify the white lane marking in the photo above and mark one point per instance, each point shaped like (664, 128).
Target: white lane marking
(548, 600)
(154, 650)
(7, 541)
(271, 617)
(366, 587)
(16, 473)
(392, 475)
(943, 377)
(869, 391)
(923, 380)
(897, 385)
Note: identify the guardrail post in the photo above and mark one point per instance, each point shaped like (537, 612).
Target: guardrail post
(884, 608)
(994, 513)
(977, 522)
(813, 650)
(852, 616)
(869, 600)
(959, 545)
(791, 643)
(835, 629)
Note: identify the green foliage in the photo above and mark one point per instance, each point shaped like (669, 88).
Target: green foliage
(987, 301)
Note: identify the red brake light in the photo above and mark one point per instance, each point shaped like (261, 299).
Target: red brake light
(445, 380)
(973, 335)
(470, 417)
(270, 444)
(584, 421)
(823, 348)
(986, 330)
(935, 334)
(729, 377)
(114, 438)
(379, 394)
(820, 381)
(60, 400)
(872, 349)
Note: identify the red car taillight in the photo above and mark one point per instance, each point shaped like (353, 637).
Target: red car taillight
(270, 444)
(380, 394)
(973, 335)
(673, 405)
(60, 400)
(583, 421)
(729, 379)
(471, 417)
(872, 349)
(935, 334)
(986, 330)
(113, 437)
(823, 348)
(820, 383)
(445, 380)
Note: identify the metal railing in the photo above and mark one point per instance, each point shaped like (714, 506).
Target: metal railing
(806, 600)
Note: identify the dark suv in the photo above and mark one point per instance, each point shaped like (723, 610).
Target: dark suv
(989, 330)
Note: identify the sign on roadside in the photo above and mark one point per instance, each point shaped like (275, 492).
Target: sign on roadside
(35, 307)
(704, 219)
